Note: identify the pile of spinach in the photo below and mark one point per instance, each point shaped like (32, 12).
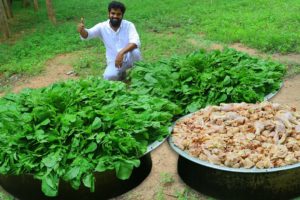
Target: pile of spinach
(72, 129)
(208, 78)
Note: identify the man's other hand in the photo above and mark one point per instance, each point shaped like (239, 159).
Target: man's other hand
(119, 60)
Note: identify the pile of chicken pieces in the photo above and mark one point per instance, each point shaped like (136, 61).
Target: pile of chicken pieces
(241, 135)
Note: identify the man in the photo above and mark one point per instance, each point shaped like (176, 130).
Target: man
(120, 39)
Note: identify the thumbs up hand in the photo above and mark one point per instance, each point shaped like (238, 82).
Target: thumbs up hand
(80, 27)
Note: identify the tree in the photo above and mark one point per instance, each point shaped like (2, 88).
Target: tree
(51, 14)
(36, 5)
(26, 3)
(3, 20)
(7, 8)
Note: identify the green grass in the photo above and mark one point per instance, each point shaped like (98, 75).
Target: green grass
(293, 70)
(90, 61)
(188, 194)
(166, 28)
(4, 196)
(166, 178)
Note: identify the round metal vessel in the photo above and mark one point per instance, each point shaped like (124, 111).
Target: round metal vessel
(107, 185)
(271, 95)
(238, 183)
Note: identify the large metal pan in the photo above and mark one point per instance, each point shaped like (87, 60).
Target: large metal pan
(231, 183)
(271, 95)
(237, 183)
(107, 185)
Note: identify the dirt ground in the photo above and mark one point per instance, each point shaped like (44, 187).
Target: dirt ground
(163, 182)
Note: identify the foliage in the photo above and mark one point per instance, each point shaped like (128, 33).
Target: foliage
(208, 78)
(89, 62)
(72, 129)
(187, 194)
(166, 178)
(4, 196)
(293, 70)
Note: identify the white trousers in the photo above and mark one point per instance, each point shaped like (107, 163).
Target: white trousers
(113, 73)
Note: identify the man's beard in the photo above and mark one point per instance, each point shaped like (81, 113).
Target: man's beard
(115, 22)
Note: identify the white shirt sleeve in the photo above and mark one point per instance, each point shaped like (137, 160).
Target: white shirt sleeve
(133, 35)
(93, 32)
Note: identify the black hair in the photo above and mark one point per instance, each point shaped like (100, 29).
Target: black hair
(117, 5)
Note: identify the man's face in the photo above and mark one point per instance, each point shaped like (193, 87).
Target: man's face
(115, 17)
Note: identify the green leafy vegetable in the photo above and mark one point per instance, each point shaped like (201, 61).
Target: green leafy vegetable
(72, 129)
(207, 78)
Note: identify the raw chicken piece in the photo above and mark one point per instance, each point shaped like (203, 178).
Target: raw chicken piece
(214, 159)
(239, 120)
(255, 157)
(280, 133)
(282, 137)
(250, 136)
(254, 116)
(247, 163)
(287, 118)
(215, 129)
(231, 159)
(279, 151)
(195, 152)
(202, 157)
(277, 106)
(279, 127)
(225, 116)
(297, 154)
(264, 163)
(227, 107)
(217, 116)
(200, 121)
(266, 106)
(232, 115)
(297, 129)
(259, 127)
(293, 144)
(236, 165)
(290, 159)
(279, 163)
(232, 130)
(244, 153)
(297, 115)
(233, 106)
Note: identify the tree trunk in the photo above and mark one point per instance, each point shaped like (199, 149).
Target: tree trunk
(26, 3)
(7, 9)
(51, 14)
(3, 21)
(36, 5)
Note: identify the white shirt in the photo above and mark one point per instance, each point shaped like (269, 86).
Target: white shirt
(114, 41)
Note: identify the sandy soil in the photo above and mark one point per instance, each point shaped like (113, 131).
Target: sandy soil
(57, 69)
(163, 181)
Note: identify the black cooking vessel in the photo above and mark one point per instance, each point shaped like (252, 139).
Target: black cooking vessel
(107, 185)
